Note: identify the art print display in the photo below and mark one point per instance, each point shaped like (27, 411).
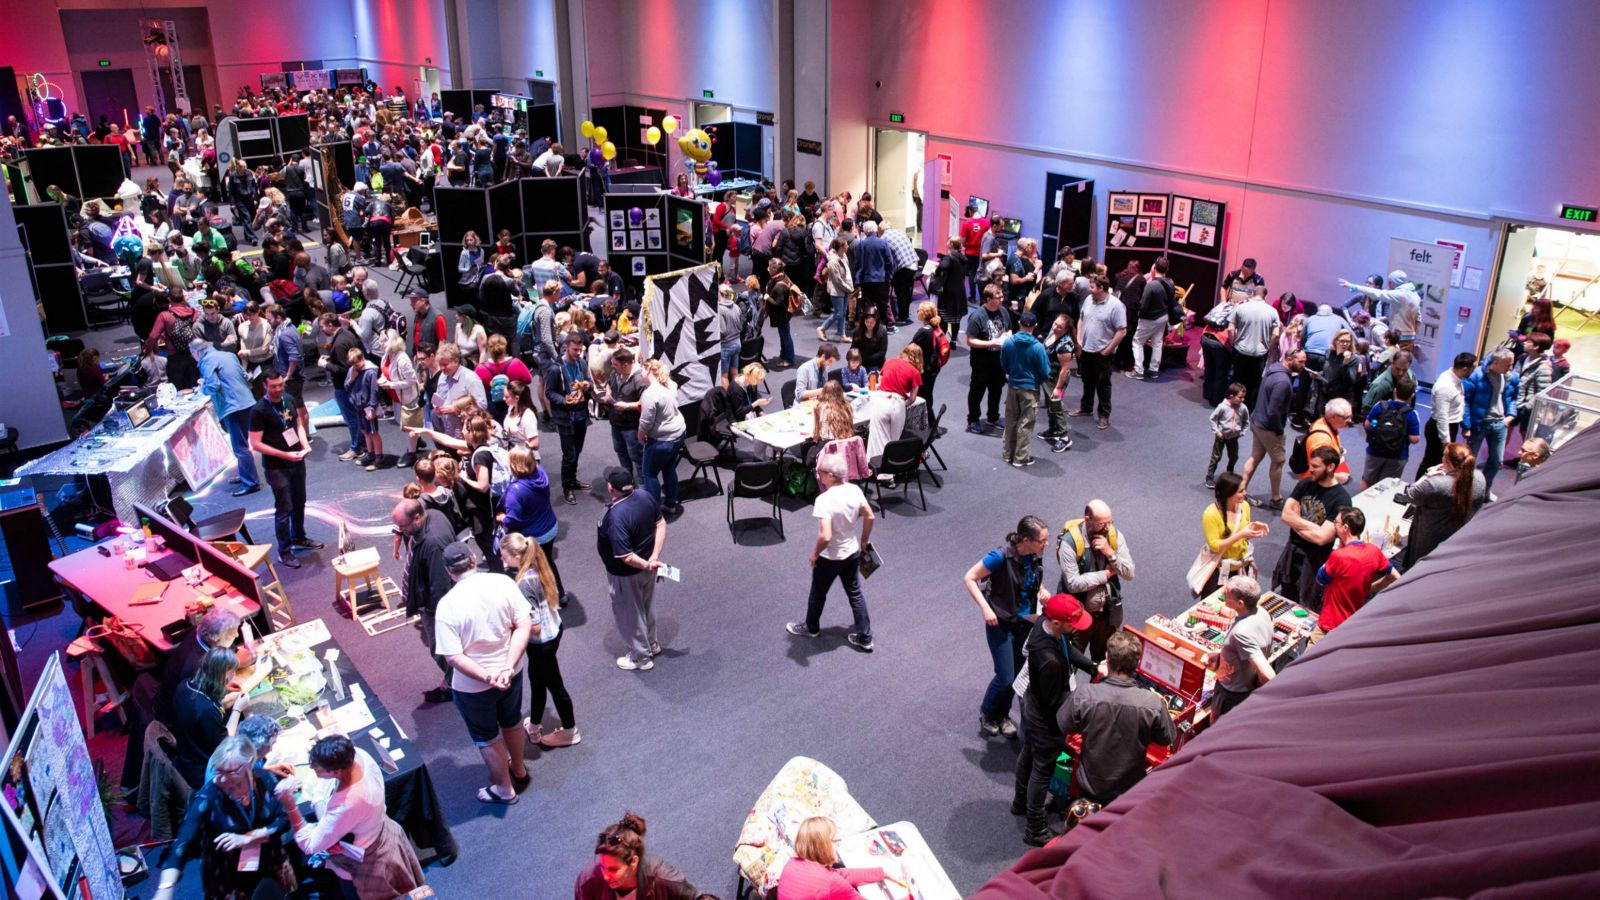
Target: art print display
(1180, 235)
(1124, 204)
(1142, 227)
(1204, 235)
(1204, 213)
(618, 220)
(1180, 211)
(1152, 204)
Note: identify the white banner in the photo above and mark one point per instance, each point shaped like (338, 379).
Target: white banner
(1427, 266)
(679, 326)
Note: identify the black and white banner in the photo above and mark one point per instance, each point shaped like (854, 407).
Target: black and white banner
(679, 327)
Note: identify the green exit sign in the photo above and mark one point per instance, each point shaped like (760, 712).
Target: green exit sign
(1578, 213)
(105, 63)
(538, 73)
(708, 94)
(897, 118)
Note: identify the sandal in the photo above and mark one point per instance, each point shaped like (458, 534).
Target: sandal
(487, 795)
(521, 782)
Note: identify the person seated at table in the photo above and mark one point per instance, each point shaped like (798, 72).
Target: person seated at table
(832, 418)
(349, 803)
(200, 713)
(622, 868)
(813, 374)
(230, 813)
(90, 377)
(263, 731)
(217, 628)
(742, 397)
(854, 374)
(813, 873)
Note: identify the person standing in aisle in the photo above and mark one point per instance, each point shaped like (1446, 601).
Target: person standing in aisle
(567, 387)
(430, 531)
(223, 379)
(1489, 399)
(987, 328)
(661, 431)
(1268, 424)
(1008, 584)
(1242, 661)
(278, 433)
(844, 531)
(1103, 324)
(1156, 304)
(632, 533)
(1228, 422)
(1027, 371)
(482, 630)
(1095, 560)
(1051, 659)
(1118, 719)
(1253, 328)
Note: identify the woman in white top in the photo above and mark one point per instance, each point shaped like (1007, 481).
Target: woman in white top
(398, 375)
(377, 859)
(521, 425)
(661, 430)
(471, 339)
(536, 579)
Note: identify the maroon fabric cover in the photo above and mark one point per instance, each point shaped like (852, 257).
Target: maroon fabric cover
(1444, 741)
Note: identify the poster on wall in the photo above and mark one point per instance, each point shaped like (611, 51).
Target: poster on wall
(1179, 236)
(1204, 235)
(1152, 204)
(1203, 212)
(1456, 264)
(1124, 204)
(1427, 267)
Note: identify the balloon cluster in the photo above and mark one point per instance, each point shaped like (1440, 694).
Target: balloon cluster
(696, 145)
(603, 149)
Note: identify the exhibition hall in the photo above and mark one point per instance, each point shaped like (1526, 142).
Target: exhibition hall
(798, 449)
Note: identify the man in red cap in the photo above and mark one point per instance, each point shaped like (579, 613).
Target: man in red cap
(1051, 659)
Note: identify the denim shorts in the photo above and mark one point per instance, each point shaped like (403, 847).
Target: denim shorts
(730, 358)
(491, 711)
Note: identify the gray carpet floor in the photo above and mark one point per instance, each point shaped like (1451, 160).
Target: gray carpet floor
(691, 744)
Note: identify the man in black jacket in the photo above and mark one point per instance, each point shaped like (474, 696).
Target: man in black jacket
(1051, 659)
(1156, 303)
(1118, 720)
(428, 580)
(1267, 422)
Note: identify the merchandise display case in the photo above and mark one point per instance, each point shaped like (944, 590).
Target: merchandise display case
(1566, 408)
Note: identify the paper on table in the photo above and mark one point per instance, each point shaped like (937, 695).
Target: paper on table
(353, 716)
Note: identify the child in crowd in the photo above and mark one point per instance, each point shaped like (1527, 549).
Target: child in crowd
(1560, 366)
(853, 374)
(339, 294)
(1228, 421)
(90, 378)
(361, 384)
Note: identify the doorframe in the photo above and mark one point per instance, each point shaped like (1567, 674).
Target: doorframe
(1492, 285)
(872, 160)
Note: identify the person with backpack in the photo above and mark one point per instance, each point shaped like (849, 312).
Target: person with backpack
(175, 327)
(1324, 432)
(1392, 427)
(1095, 560)
(497, 371)
(934, 342)
(1268, 423)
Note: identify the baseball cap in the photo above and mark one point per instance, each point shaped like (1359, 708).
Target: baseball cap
(1398, 276)
(1028, 319)
(1066, 608)
(619, 478)
(613, 336)
(457, 557)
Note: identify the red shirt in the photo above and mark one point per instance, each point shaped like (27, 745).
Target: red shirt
(898, 377)
(972, 236)
(1347, 579)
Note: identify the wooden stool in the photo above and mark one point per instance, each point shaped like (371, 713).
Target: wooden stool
(92, 666)
(371, 607)
(274, 598)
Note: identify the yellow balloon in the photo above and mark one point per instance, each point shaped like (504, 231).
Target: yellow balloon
(669, 124)
(608, 150)
(599, 134)
(652, 135)
(587, 128)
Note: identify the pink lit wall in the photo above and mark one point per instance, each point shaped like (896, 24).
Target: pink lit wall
(674, 49)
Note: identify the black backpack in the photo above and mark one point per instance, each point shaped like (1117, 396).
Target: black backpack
(1387, 438)
(1299, 460)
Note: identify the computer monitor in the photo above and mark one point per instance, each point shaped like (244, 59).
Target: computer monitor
(979, 204)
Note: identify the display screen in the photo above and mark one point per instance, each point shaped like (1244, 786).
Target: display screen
(979, 206)
(1005, 227)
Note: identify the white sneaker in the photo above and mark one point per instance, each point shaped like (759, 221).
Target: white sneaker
(561, 737)
(628, 664)
(533, 731)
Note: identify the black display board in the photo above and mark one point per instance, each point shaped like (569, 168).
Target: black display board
(626, 126)
(271, 140)
(85, 171)
(43, 229)
(544, 121)
(462, 102)
(1121, 236)
(532, 209)
(1075, 219)
(637, 250)
(686, 231)
(1187, 230)
(737, 149)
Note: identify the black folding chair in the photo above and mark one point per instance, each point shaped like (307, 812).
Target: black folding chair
(902, 462)
(786, 393)
(99, 296)
(413, 271)
(756, 480)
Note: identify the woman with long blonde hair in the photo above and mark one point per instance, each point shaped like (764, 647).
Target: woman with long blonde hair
(537, 582)
(832, 418)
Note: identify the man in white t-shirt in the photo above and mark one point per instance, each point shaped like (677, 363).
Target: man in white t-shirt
(844, 529)
(481, 627)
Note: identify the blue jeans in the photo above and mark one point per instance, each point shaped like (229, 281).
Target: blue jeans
(660, 470)
(352, 418)
(1495, 430)
(836, 317)
(1005, 649)
(730, 359)
(238, 425)
(785, 341)
(630, 453)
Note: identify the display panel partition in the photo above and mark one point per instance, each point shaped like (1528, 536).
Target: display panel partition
(55, 278)
(532, 209)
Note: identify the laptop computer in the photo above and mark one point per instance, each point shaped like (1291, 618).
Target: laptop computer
(139, 413)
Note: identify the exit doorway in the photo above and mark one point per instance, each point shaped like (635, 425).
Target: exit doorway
(1561, 265)
(109, 93)
(897, 167)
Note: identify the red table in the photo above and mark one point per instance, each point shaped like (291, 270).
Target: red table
(107, 583)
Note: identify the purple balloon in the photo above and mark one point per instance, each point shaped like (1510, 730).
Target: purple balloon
(713, 176)
(596, 157)
(636, 216)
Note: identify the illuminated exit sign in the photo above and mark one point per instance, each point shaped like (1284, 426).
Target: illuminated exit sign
(1578, 214)
(897, 118)
(105, 63)
(708, 94)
